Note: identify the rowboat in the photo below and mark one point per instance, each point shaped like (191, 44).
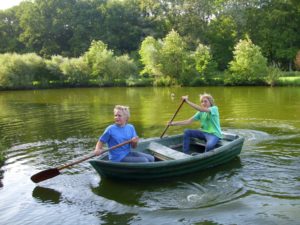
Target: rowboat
(170, 161)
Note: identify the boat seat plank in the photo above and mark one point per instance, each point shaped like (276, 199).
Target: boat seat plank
(165, 153)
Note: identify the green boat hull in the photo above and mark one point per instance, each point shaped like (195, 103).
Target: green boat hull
(226, 150)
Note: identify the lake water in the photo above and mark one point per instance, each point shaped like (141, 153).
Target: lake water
(43, 129)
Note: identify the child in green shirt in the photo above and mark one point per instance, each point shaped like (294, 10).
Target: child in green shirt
(208, 115)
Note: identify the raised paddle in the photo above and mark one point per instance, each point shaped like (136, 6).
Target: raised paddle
(49, 173)
(183, 100)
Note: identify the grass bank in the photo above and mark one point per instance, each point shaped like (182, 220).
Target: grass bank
(288, 81)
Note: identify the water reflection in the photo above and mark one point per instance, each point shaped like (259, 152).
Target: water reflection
(202, 189)
(124, 192)
(46, 195)
(111, 218)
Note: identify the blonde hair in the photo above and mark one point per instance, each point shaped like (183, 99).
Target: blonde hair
(123, 109)
(208, 97)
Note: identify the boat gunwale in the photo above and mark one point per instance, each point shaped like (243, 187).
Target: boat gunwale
(171, 163)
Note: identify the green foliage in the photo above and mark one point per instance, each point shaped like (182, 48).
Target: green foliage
(173, 53)
(198, 81)
(19, 71)
(189, 72)
(53, 66)
(276, 30)
(75, 71)
(249, 66)
(124, 67)
(202, 58)
(139, 82)
(290, 73)
(105, 66)
(204, 62)
(67, 27)
(150, 56)
(37, 66)
(63, 27)
(100, 61)
(288, 81)
(170, 62)
(9, 31)
(222, 33)
(123, 25)
(163, 81)
(273, 75)
(98, 66)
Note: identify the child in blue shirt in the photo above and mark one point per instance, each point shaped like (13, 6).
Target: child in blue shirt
(119, 132)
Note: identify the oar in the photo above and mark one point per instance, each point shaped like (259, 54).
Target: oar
(172, 118)
(49, 173)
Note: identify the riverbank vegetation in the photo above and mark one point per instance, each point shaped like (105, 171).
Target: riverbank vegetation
(68, 43)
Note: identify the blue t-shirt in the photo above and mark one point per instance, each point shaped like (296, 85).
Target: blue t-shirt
(114, 135)
(210, 121)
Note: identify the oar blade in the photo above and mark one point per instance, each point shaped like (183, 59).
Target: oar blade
(44, 175)
(47, 174)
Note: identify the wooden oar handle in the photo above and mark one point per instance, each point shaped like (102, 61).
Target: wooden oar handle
(92, 155)
(76, 162)
(183, 100)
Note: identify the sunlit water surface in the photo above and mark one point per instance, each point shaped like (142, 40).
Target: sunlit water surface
(47, 128)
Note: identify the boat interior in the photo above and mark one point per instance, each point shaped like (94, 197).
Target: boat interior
(172, 148)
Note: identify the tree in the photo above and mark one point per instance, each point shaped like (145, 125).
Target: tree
(100, 60)
(173, 54)
(10, 31)
(203, 61)
(222, 33)
(248, 66)
(85, 24)
(123, 25)
(190, 18)
(104, 66)
(64, 27)
(150, 57)
(274, 26)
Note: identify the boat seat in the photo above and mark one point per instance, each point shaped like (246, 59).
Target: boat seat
(165, 153)
(203, 144)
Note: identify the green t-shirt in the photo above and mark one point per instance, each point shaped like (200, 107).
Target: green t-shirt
(210, 121)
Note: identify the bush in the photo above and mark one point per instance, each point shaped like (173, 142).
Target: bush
(100, 61)
(124, 67)
(75, 71)
(163, 81)
(272, 75)
(53, 66)
(199, 81)
(249, 66)
(19, 71)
